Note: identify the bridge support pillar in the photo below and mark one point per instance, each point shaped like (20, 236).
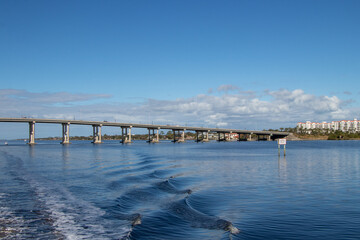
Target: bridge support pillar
(219, 137)
(31, 133)
(126, 135)
(96, 133)
(197, 136)
(150, 135)
(153, 138)
(65, 133)
(182, 139)
(206, 139)
(269, 137)
(181, 136)
(157, 135)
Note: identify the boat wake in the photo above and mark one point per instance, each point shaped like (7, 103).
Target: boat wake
(69, 216)
(197, 219)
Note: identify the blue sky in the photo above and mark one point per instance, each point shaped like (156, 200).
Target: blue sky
(198, 59)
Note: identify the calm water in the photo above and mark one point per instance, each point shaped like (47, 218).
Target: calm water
(180, 191)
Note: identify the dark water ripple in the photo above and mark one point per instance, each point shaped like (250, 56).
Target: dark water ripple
(180, 191)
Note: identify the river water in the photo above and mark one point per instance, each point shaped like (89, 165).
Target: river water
(180, 191)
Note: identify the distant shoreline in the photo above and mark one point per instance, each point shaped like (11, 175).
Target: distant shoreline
(290, 137)
(309, 137)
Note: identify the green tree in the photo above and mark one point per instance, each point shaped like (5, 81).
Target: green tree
(170, 135)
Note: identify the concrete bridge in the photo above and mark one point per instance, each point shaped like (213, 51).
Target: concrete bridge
(202, 134)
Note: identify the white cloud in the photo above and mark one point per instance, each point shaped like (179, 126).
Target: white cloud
(242, 109)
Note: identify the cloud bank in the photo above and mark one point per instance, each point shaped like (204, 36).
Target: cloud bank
(231, 108)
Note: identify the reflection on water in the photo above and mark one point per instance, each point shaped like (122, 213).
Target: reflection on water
(180, 191)
(282, 164)
(65, 156)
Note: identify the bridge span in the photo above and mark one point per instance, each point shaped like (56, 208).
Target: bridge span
(202, 134)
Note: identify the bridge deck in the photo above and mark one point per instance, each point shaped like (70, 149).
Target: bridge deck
(148, 126)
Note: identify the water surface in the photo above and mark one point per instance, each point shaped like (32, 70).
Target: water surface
(180, 191)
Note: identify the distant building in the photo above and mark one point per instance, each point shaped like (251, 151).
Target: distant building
(232, 136)
(343, 125)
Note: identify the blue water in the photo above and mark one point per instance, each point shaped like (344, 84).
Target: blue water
(180, 191)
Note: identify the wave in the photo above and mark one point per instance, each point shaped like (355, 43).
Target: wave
(198, 219)
(70, 216)
(168, 187)
(10, 224)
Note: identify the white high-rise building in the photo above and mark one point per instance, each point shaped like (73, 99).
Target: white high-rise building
(343, 125)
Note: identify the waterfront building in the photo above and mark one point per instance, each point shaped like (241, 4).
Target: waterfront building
(343, 125)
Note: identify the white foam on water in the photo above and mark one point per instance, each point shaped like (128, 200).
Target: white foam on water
(75, 218)
(71, 217)
(11, 226)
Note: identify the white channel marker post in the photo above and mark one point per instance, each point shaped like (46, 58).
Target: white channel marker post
(282, 141)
